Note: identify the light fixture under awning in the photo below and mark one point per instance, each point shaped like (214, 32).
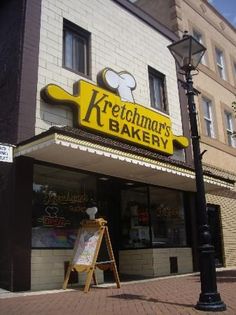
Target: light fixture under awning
(85, 155)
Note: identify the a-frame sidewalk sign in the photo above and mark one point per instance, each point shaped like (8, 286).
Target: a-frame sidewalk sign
(86, 250)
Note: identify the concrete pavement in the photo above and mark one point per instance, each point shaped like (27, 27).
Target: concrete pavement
(172, 295)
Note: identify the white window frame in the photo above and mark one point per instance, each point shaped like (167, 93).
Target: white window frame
(198, 36)
(220, 63)
(229, 129)
(208, 118)
(234, 71)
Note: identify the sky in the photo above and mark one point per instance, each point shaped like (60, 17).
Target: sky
(227, 8)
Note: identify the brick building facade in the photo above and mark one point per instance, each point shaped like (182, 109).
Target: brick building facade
(143, 183)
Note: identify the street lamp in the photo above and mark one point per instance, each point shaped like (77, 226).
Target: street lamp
(188, 53)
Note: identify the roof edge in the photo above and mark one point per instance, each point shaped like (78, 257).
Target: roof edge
(219, 15)
(142, 15)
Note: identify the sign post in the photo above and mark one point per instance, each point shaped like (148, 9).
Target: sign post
(86, 251)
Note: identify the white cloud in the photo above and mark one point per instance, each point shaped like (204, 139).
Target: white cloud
(210, 1)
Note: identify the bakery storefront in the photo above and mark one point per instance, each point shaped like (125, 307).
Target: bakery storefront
(120, 155)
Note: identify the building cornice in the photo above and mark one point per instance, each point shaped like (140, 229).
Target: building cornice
(205, 17)
(148, 19)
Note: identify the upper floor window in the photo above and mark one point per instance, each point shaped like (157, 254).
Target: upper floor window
(229, 129)
(198, 36)
(75, 48)
(234, 71)
(208, 117)
(157, 90)
(220, 63)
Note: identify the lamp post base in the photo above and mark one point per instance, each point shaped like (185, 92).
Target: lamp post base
(210, 302)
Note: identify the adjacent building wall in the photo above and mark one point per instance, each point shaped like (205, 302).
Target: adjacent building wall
(227, 203)
(18, 49)
(11, 32)
(216, 31)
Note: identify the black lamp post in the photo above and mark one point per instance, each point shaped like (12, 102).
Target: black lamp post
(188, 53)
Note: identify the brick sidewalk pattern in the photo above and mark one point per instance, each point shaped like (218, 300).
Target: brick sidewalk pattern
(175, 296)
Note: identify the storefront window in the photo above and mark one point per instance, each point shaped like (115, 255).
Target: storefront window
(167, 217)
(152, 217)
(135, 218)
(60, 198)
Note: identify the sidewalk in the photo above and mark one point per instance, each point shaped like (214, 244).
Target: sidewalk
(172, 295)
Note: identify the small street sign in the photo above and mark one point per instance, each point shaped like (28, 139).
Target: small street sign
(6, 153)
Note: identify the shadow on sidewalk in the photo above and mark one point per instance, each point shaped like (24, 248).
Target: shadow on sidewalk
(227, 276)
(143, 298)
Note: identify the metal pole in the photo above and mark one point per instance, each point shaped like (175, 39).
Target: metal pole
(209, 299)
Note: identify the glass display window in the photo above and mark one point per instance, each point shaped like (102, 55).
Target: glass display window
(167, 217)
(60, 198)
(152, 217)
(135, 218)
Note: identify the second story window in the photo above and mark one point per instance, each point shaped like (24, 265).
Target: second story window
(157, 90)
(208, 117)
(220, 63)
(229, 129)
(234, 72)
(75, 48)
(198, 36)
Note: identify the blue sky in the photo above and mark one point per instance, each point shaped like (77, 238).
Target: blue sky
(227, 8)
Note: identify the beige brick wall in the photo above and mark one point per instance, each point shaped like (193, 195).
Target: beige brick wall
(216, 32)
(154, 262)
(47, 269)
(228, 220)
(121, 43)
(162, 263)
(136, 262)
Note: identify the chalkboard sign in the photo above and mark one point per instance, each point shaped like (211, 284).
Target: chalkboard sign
(86, 251)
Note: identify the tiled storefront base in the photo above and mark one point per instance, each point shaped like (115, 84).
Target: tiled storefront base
(47, 269)
(47, 266)
(155, 262)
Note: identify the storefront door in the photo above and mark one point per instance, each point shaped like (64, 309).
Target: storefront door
(109, 209)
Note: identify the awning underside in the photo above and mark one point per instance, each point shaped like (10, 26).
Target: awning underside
(85, 155)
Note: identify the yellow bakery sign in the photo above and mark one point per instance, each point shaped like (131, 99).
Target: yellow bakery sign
(115, 113)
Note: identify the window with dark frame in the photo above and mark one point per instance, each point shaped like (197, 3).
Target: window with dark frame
(157, 90)
(152, 218)
(60, 199)
(75, 48)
